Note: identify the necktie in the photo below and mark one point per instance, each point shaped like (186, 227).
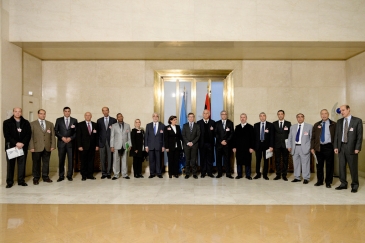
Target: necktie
(281, 126)
(66, 123)
(224, 124)
(262, 135)
(323, 132)
(206, 122)
(298, 135)
(42, 125)
(345, 131)
(155, 128)
(106, 123)
(120, 126)
(191, 127)
(89, 128)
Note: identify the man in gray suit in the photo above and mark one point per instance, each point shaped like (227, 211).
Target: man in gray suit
(191, 134)
(299, 144)
(348, 141)
(119, 136)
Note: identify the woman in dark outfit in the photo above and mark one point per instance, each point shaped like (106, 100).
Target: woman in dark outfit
(172, 144)
(137, 150)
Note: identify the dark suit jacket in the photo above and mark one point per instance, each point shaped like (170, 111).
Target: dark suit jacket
(191, 136)
(12, 136)
(211, 124)
(171, 139)
(61, 131)
(269, 135)
(84, 139)
(223, 134)
(354, 135)
(280, 136)
(152, 141)
(243, 141)
(316, 135)
(137, 137)
(104, 134)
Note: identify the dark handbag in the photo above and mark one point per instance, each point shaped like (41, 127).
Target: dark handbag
(121, 151)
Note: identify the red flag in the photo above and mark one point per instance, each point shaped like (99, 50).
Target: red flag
(207, 103)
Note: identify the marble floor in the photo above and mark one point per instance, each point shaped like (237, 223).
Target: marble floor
(206, 191)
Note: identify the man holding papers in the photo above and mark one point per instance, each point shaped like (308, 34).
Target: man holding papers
(323, 136)
(17, 134)
(299, 144)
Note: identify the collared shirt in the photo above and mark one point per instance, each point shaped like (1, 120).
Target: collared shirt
(261, 128)
(282, 124)
(91, 125)
(67, 118)
(44, 123)
(173, 128)
(327, 134)
(205, 121)
(301, 133)
(121, 125)
(348, 125)
(243, 125)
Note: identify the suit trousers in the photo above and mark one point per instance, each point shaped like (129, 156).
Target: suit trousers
(62, 151)
(284, 153)
(105, 163)
(137, 165)
(326, 154)
(191, 156)
(173, 158)
(223, 152)
(116, 164)
(154, 157)
(261, 153)
(301, 163)
(38, 159)
(11, 168)
(247, 169)
(206, 160)
(352, 160)
(87, 163)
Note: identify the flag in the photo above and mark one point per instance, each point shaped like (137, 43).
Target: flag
(207, 103)
(183, 120)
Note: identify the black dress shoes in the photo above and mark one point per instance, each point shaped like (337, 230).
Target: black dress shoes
(91, 178)
(341, 188)
(60, 179)
(219, 176)
(266, 178)
(248, 177)
(229, 176)
(187, 177)
(114, 178)
(83, 179)
(277, 178)
(284, 178)
(103, 176)
(127, 177)
(202, 176)
(318, 184)
(69, 178)
(35, 182)
(238, 177)
(211, 175)
(170, 176)
(195, 176)
(109, 176)
(328, 185)
(257, 177)
(22, 184)
(353, 190)
(176, 176)
(159, 176)
(47, 180)
(305, 182)
(295, 180)
(151, 176)
(140, 176)
(9, 186)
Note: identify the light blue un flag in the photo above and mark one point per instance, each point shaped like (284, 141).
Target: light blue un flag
(183, 120)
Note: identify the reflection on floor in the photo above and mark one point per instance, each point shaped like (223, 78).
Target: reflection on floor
(207, 191)
(181, 223)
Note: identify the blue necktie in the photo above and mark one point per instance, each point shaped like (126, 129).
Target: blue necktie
(298, 135)
(262, 135)
(323, 132)
(155, 129)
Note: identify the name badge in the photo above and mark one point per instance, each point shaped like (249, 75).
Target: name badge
(267, 131)
(127, 130)
(285, 128)
(227, 129)
(110, 127)
(72, 126)
(211, 128)
(94, 131)
(305, 133)
(138, 131)
(19, 130)
(351, 129)
(169, 129)
(319, 127)
(49, 131)
(161, 131)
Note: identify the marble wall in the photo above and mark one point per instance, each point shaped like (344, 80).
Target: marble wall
(190, 20)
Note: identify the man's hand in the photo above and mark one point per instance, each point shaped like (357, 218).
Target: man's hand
(336, 151)
(271, 149)
(224, 142)
(167, 150)
(81, 149)
(64, 139)
(312, 151)
(32, 150)
(136, 151)
(146, 149)
(289, 149)
(357, 151)
(251, 150)
(19, 145)
(96, 148)
(129, 148)
(68, 139)
(234, 150)
(163, 149)
(112, 149)
(52, 149)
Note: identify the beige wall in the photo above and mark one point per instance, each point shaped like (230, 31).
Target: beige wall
(191, 20)
(355, 72)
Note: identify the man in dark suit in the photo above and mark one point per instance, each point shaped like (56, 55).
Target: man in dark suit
(243, 144)
(17, 133)
(104, 125)
(281, 133)
(65, 131)
(190, 135)
(206, 144)
(41, 144)
(348, 141)
(224, 130)
(264, 140)
(154, 145)
(87, 143)
(323, 136)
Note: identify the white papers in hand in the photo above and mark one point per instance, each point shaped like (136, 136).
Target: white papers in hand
(269, 154)
(14, 152)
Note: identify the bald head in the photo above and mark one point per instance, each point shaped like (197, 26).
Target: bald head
(88, 116)
(17, 112)
(206, 114)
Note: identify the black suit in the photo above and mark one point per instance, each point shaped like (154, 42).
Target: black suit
(206, 146)
(223, 151)
(137, 137)
(154, 143)
(191, 152)
(347, 150)
(172, 142)
(243, 141)
(280, 134)
(88, 142)
(262, 145)
(104, 144)
(65, 148)
(13, 136)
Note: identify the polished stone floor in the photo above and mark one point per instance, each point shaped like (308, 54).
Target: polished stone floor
(206, 191)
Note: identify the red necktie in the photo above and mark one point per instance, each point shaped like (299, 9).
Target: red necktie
(89, 128)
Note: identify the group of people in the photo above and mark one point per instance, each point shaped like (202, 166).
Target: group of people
(114, 137)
